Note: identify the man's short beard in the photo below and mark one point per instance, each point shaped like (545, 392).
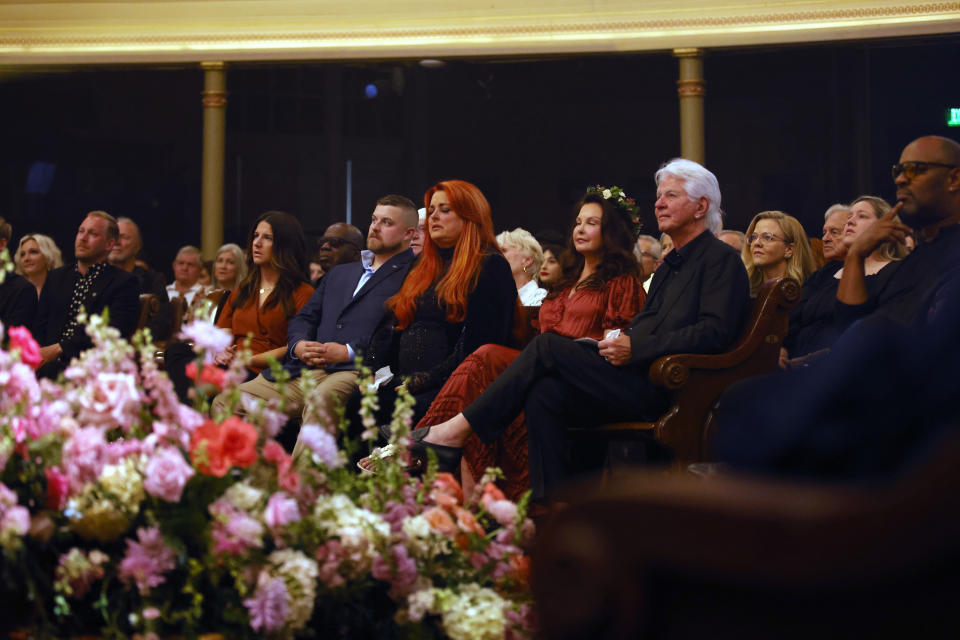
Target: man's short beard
(384, 248)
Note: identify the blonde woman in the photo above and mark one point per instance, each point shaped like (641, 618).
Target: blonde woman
(229, 268)
(37, 254)
(864, 211)
(525, 256)
(777, 246)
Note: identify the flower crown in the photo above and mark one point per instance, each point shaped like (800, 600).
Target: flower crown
(626, 206)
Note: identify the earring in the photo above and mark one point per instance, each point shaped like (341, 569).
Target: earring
(524, 268)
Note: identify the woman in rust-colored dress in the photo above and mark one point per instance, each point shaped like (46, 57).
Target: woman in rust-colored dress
(599, 291)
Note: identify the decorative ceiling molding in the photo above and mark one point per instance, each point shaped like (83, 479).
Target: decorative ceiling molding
(92, 32)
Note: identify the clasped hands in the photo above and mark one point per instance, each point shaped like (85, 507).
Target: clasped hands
(616, 351)
(319, 354)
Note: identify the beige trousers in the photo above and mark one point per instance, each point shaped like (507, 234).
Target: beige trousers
(333, 388)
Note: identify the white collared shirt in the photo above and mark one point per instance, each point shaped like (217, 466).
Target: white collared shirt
(191, 293)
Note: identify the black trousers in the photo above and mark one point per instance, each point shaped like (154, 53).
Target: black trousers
(560, 383)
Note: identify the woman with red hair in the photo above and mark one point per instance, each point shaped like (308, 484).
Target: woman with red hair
(458, 296)
(598, 291)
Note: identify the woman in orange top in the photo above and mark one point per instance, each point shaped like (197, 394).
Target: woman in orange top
(599, 290)
(272, 292)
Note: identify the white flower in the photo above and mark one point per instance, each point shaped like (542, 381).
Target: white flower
(322, 444)
(300, 574)
(208, 337)
(475, 613)
(606, 194)
(123, 482)
(244, 497)
(420, 603)
(337, 516)
(422, 540)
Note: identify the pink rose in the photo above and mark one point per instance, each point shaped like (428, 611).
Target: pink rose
(503, 511)
(21, 339)
(281, 510)
(167, 474)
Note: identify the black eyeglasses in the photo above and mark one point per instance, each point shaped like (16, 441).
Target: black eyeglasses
(912, 169)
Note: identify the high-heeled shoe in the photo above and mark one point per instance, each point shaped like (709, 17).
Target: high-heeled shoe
(448, 458)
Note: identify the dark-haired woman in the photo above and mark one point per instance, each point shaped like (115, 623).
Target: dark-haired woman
(272, 292)
(551, 271)
(599, 290)
(459, 295)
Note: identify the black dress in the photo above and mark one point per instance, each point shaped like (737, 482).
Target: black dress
(814, 324)
(430, 348)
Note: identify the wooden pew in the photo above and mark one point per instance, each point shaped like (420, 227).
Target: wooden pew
(697, 380)
(676, 556)
(149, 305)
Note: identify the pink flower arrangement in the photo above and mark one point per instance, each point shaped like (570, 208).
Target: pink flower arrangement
(146, 504)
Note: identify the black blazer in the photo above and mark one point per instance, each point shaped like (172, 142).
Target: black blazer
(701, 308)
(18, 301)
(334, 314)
(114, 289)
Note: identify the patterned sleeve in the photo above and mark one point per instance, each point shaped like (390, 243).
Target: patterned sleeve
(625, 300)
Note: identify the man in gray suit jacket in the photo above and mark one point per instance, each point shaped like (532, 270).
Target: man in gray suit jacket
(698, 302)
(338, 320)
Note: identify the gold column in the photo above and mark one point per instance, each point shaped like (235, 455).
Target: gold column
(691, 89)
(214, 136)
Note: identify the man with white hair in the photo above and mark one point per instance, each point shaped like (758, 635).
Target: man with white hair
(698, 302)
(834, 221)
(648, 252)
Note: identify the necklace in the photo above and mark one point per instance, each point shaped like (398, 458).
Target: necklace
(264, 290)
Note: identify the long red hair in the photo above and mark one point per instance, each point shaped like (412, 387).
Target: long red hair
(455, 286)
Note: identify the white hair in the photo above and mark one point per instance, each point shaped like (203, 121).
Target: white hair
(656, 249)
(698, 182)
(524, 241)
(834, 208)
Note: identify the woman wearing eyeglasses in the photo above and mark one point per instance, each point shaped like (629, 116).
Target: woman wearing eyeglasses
(777, 246)
(813, 326)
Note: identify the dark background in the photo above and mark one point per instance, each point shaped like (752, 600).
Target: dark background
(790, 128)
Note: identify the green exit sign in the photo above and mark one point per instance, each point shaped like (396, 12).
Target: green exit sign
(953, 117)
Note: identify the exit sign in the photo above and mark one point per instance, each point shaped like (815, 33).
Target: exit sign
(953, 117)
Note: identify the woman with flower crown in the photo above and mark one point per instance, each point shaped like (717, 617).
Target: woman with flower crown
(599, 290)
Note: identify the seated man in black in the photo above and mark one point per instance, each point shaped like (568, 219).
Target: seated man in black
(124, 256)
(18, 305)
(698, 302)
(887, 391)
(91, 284)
